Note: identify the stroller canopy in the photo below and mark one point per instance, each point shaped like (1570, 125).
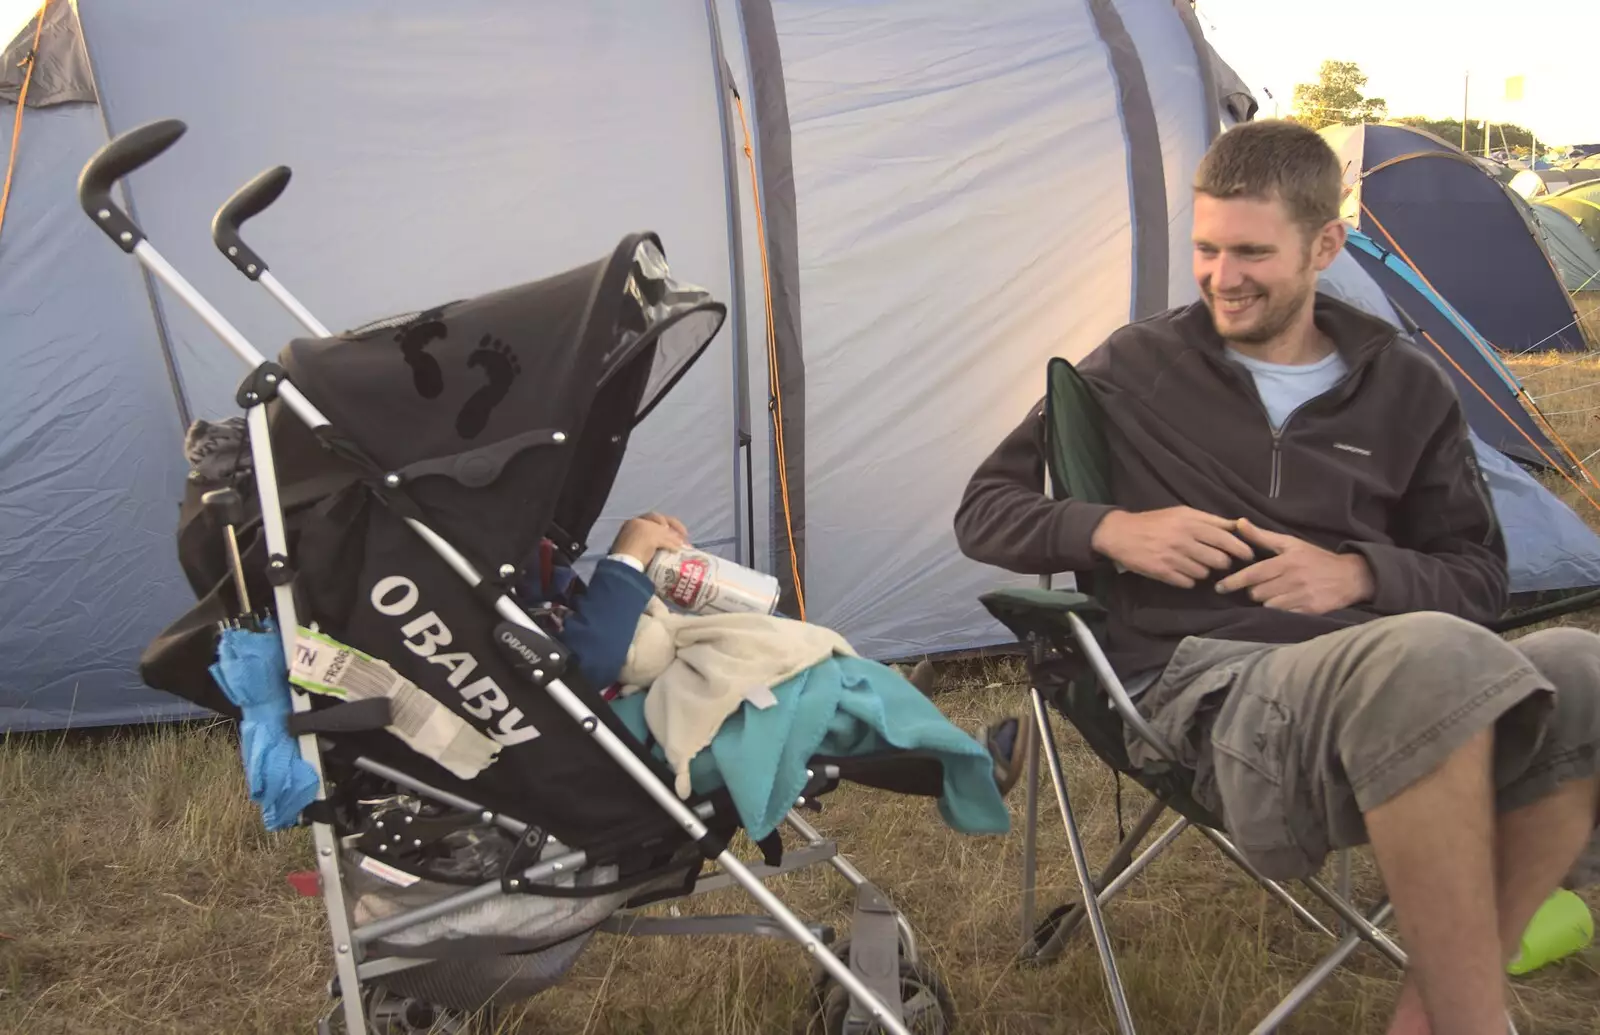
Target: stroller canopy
(506, 416)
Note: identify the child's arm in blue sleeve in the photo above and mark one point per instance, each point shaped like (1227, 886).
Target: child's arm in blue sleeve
(600, 629)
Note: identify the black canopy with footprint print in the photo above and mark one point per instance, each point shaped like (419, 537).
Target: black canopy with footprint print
(486, 407)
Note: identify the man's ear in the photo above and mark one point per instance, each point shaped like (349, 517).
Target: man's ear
(1327, 244)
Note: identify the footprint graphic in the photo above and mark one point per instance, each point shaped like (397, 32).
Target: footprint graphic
(414, 339)
(500, 368)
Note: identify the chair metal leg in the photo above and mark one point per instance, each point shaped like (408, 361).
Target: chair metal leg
(1273, 887)
(1345, 881)
(1319, 974)
(1322, 971)
(1030, 843)
(1080, 863)
(1058, 938)
(1119, 872)
(1146, 857)
(1030, 812)
(1369, 932)
(1123, 858)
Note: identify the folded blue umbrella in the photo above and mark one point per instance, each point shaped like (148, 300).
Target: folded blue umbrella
(251, 671)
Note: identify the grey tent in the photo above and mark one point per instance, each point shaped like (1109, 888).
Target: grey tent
(956, 190)
(951, 193)
(436, 156)
(1576, 257)
(1530, 183)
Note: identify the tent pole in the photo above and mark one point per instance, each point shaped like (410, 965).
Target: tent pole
(743, 530)
(772, 441)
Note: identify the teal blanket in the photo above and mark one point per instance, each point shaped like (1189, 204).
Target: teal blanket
(843, 706)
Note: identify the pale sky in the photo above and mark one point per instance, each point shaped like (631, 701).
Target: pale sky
(1416, 54)
(13, 13)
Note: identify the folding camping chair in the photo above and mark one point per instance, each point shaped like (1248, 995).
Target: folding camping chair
(1068, 670)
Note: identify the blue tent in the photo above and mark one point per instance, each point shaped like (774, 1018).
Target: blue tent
(91, 431)
(1426, 200)
(1550, 551)
(1489, 392)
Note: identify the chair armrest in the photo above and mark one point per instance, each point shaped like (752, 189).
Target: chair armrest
(1061, 615)
(1059, 601)
(1032, 612)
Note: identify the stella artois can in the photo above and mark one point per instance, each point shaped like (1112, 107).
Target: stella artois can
(700, 583)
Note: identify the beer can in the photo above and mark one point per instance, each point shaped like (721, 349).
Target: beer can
(701, 583)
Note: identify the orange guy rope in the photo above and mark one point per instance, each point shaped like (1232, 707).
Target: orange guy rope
(16, 125)
(1513, 423)
(1532, 406)
(773, 386)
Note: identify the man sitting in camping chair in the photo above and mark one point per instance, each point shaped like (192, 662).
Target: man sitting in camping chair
(1305, 557)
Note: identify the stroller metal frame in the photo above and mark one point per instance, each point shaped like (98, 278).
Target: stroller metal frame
(874, 989)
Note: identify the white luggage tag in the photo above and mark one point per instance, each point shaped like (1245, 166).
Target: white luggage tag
(323, 665)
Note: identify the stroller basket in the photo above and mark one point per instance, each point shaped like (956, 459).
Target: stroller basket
(497, 422)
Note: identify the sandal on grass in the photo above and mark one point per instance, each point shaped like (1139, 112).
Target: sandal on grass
(1009, 742)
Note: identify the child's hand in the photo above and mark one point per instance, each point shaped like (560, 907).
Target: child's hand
(642, 537)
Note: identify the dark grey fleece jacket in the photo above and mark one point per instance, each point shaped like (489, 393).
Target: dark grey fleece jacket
(1381, 464)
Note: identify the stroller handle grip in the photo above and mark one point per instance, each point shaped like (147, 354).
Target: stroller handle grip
(247, 202)
(119, 157)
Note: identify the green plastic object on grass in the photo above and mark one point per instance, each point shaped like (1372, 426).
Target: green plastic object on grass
(1561, 927)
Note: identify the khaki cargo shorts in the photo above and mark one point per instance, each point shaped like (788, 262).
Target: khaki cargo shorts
(1290, 745)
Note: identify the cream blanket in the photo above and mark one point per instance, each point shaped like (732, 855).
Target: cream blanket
(700, 668)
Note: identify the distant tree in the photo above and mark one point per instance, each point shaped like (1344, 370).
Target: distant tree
(1501, 135)
(1336, 97)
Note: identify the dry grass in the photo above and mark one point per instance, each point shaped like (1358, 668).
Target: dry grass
(139, 894)
(1587, 304)
(1566, 390)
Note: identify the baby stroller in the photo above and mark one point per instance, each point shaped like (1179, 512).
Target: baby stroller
(402, 477)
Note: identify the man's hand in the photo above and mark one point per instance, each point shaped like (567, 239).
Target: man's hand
(1302, 577)
(642, 537)
(1178, 546)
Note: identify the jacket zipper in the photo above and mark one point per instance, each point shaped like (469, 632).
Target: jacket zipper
(1277, 463)
(1275, 478)
(1275, 481)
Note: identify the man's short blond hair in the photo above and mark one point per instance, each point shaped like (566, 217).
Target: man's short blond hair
(1275, 158)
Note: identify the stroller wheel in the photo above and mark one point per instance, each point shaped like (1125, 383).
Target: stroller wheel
(925, 1002)
(389, 1014)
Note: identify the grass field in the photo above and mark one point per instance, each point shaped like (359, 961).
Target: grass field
(139, 894)
(1587, 306)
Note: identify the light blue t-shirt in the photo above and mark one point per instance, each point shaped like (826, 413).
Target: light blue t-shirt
(1286, 388)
